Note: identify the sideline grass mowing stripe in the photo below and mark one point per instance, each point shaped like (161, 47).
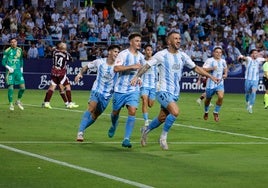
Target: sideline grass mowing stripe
(136, 184)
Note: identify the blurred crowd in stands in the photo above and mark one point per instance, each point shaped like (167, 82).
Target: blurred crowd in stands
(236, 25)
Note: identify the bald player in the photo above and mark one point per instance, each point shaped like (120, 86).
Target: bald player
(59, 77)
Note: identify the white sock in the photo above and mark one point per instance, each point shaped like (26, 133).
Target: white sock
(164, 135)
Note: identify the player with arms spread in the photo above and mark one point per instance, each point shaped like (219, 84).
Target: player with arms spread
(252, 76)
(59, 77)
(170, 64)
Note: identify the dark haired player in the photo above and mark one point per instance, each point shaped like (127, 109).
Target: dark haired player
(102, 89)
(13, 62)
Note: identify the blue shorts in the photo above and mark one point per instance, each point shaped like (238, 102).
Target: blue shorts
(126, 99)
(250, 85)
(210, 92)
(102, 103)
(150, 92)
(164, 98)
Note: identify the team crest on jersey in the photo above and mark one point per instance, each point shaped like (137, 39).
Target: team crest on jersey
(176, 67)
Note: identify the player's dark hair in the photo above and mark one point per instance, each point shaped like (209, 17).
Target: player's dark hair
(133, 35)
(252, 50)
(172, 32)
(113, 46)
(12, 38)
(147, 45)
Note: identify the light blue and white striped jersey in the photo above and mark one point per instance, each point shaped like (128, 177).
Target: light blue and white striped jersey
(253, 68)
(218, 73)
(170, 68)
(105, 79)
(126, 58)
(150, 77)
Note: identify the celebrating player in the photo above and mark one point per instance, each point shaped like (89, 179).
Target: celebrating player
(217, 67)
(127, 64)
(170, 64)
(148, 88)
(102, 89)
(252, 64)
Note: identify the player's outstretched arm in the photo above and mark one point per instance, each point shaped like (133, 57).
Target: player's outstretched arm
(80, 74)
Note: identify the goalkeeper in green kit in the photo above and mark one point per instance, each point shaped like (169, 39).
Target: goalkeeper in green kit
(13, 61)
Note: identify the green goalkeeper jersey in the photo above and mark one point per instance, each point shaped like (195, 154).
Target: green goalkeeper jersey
(13, 57)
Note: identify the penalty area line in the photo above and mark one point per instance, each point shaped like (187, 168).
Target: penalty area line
(136, 184)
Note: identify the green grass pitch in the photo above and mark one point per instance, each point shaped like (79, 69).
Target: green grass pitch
(38, 147)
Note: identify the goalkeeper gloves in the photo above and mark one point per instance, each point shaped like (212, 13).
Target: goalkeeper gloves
(10, 69)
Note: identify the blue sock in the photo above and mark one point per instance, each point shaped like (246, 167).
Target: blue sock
(217, 108)
(252, 98)
(114, 119)
(247, 97)
(129, 126)
(154, 124)
(206, 108)
(86, 121)
(145, 116)
(169, 122)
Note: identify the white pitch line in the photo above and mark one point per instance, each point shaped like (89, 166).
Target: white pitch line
(136, 184)
(175, 143)
(118, 178)
(223, 132)
(181, 125)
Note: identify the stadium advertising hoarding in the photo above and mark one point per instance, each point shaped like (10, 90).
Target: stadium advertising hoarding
(37, 76)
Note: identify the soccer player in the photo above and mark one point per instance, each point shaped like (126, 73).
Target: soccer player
(13, 61)
(102, 88)
(265, 82)
(148, 88)
(59, 77)
(217, 67)
(127, 63)
(170, 64)
(252, 64)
